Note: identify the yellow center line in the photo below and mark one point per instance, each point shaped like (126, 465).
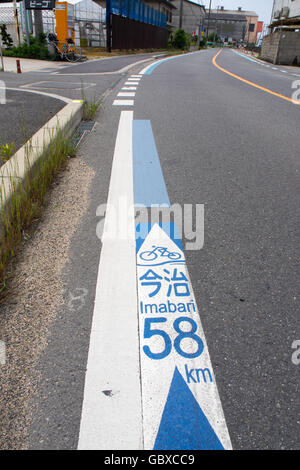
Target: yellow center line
(266, 90)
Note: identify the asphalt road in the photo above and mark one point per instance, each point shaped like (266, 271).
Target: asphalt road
(234, 148)
(23, 114)
(30, 111)
(111, 64)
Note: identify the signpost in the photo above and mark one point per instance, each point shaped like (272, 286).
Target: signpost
(37, 6)
(2, 63)
(17, 21)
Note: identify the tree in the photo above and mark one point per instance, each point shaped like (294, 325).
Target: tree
(213, 37)
(6, 37)
(203, 42)
(181, 39)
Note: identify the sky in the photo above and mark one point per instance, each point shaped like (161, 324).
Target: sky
(262, 7)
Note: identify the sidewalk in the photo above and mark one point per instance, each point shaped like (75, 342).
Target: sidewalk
(31, 65)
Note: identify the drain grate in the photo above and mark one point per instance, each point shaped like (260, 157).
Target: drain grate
(83, 128)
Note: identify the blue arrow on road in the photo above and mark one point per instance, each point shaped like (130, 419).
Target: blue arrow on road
(184, 426)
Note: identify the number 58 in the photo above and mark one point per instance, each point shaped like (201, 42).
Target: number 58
(149, 333)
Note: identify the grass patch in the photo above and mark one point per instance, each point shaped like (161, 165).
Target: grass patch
(89, 109)
(37, 49)
(6, 151)
(27, 199)
(171, 52)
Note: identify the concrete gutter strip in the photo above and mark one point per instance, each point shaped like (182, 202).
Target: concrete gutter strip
(23, 162)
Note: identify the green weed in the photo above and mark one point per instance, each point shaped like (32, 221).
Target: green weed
(27, 199)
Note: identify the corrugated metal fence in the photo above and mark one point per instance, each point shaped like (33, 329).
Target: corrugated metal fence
(131, 34)
(136, 10)
(131, 24)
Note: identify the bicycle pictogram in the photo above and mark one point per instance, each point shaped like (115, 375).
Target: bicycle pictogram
(159, 252)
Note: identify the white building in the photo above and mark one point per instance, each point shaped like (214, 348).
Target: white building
(285, 9)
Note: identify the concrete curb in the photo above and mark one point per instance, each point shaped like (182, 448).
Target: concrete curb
(23, 163)
(122, 70)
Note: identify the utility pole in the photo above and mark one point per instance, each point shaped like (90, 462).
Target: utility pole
(180, 14)
(108, 26)
(200, 30)
(209, 12)
(25, 19)
(201, 24)
(38, 23)
(217, 23)
(16, 21)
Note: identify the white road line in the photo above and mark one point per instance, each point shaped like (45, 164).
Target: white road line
(36, 92)
(265, 65)
(137, 76)
(123, 103)
(52, 85)
(131, 83)
(111, 414)
(133, 79)
(126, 93)
(129, 88)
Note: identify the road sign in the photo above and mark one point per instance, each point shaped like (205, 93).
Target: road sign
(39, 4)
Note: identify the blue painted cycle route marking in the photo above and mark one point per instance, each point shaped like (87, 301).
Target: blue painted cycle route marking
(180, 411)
(156, 64)
(149, 184)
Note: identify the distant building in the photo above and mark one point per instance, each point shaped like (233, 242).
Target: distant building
(193, 16)
(251, 22)
(229, 27)
(282, 44)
